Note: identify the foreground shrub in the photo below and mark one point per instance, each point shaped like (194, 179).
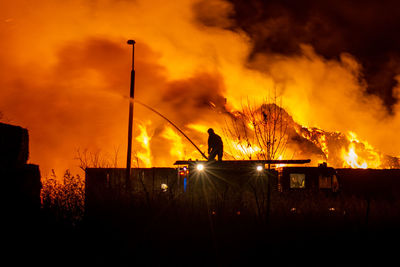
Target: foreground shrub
(64, 198)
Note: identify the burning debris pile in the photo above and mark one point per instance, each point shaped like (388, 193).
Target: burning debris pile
(293, 141)
(345, 150)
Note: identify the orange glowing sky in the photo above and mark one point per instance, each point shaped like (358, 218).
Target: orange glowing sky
(65, 70)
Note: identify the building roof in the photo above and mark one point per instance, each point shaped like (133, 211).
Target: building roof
(245, 162)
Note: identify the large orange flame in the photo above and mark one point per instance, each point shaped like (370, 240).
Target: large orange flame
(65, 76)
(144, 155)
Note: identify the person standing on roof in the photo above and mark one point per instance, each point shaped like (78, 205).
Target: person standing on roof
(215, 145)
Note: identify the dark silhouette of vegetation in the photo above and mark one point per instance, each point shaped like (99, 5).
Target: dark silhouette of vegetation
(64, 197)
(95, 159)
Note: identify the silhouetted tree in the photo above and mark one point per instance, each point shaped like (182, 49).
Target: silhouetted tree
(259, 131)
(90, 159)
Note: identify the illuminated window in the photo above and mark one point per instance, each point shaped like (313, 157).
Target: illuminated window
(325, 182)
(297, 180)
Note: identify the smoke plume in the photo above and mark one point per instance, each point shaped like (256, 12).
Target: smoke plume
(65, 74)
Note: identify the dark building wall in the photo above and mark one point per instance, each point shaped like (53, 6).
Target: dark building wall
(14, 145)
(22, 186)
(216, 186)
(363, 183)
(21, 181)
(312, 175)
(370, 183)
(242, 186)
(106, 188)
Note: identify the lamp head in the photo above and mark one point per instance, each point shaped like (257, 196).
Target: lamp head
(200, 167)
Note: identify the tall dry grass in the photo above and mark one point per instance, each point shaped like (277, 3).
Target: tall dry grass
(64, 199)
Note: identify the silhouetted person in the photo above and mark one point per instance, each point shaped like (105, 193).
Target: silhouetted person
(215, 145)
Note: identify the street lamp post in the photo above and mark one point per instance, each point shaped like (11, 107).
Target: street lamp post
(131, 97)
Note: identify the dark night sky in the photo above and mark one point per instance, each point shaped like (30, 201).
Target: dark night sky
(368, 30)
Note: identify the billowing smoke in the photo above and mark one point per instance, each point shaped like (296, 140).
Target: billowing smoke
(368, 31)
(65, 76)
(337, 60)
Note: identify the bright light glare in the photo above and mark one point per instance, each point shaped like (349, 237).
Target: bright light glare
(200, 167)
(164, 187)
(259, 168)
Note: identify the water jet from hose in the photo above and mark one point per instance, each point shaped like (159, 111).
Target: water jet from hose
(173, 124)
